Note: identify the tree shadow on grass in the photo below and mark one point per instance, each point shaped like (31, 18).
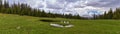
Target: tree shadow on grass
(48, 20)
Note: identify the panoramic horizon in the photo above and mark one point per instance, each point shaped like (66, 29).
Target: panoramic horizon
(59, 16)
(81, 7)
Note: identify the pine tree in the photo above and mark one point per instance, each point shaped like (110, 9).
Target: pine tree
(0, 5)
(110, 14)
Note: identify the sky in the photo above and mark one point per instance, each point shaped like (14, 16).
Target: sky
(81, 7)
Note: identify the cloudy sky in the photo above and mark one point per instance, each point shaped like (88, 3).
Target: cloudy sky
(81, 7)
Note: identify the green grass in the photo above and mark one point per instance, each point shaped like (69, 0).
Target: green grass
(33, 25)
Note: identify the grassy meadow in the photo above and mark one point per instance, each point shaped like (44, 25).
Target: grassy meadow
(9, 24)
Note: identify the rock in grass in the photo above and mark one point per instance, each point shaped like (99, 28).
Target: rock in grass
(69, 26)
(59, 25)
(56, 25)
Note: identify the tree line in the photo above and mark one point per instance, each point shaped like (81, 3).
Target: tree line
(24, 9)
(111, 14)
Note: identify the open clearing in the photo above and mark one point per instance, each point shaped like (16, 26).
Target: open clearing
(15, 24)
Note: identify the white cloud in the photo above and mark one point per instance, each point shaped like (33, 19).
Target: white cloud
(68, 6)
